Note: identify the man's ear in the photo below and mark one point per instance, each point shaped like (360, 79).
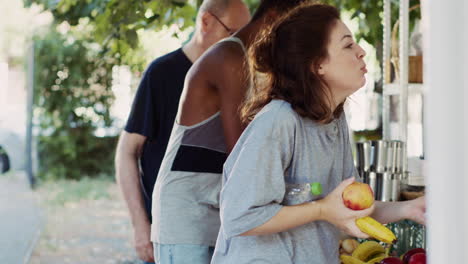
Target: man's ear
(205, 22)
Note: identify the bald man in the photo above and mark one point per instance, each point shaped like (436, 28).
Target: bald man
(143, 142)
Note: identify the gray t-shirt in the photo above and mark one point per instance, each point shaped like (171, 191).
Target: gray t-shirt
(185, 197)
(186, 194)
(280, 149)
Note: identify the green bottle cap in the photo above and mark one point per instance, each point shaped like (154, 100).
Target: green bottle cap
(316, 188)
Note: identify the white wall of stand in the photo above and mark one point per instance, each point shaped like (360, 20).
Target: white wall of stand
(445, 33)
(445, 43)
(445, 28)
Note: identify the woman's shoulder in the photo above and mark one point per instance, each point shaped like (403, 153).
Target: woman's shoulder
(275, 118)
(279, 110)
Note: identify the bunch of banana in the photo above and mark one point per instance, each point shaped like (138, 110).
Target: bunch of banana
(346, 259)
(376, 230)
(348, 245)
(369, 252)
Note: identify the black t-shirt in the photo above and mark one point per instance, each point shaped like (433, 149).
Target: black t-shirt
(153, 113)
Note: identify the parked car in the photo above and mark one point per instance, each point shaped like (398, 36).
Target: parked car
(12, 151)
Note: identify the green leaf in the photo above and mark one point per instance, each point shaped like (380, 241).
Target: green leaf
(131, 38)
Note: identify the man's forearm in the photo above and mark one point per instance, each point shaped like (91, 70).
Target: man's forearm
(127, 174)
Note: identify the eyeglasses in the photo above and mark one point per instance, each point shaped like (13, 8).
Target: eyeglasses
(230, 31)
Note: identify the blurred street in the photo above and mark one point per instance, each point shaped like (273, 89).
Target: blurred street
(21, 219)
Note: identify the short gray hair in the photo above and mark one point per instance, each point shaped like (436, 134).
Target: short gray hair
(218, 7)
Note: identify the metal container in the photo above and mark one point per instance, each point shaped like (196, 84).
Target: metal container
(379, 155)
(396, 186)
(394, 156)
(385, 183)
(391, 155)
(399, 147)
(363, 156)
(381, 164)
(371, 179)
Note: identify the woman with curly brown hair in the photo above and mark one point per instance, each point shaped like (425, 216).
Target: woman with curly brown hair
(297, 134)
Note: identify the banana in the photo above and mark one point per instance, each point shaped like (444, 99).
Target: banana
(350, 260)
(377, 260)
(349, 245)
(376, 230)
(368, 249)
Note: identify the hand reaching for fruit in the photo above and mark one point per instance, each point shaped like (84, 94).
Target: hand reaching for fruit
(415, 210)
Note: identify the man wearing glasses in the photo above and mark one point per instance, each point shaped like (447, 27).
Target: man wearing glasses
(228, 30)
(143, 142)
(186, 193)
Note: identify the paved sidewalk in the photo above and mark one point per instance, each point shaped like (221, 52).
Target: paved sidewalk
(20, 219)
(85, 222)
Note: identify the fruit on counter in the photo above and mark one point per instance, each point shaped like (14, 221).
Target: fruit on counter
(349, 245)
(376, 230)
(391, 260)
(368, 250)
(346, 259)
(406, 257)
(377, 259)
(418, 258)
(358, 196)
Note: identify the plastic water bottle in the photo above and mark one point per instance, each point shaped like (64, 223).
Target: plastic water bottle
(298, 193)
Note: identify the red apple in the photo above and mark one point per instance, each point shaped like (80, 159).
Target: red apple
(418, 258)
(358, 196)
(410, 253)
(391, 260)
